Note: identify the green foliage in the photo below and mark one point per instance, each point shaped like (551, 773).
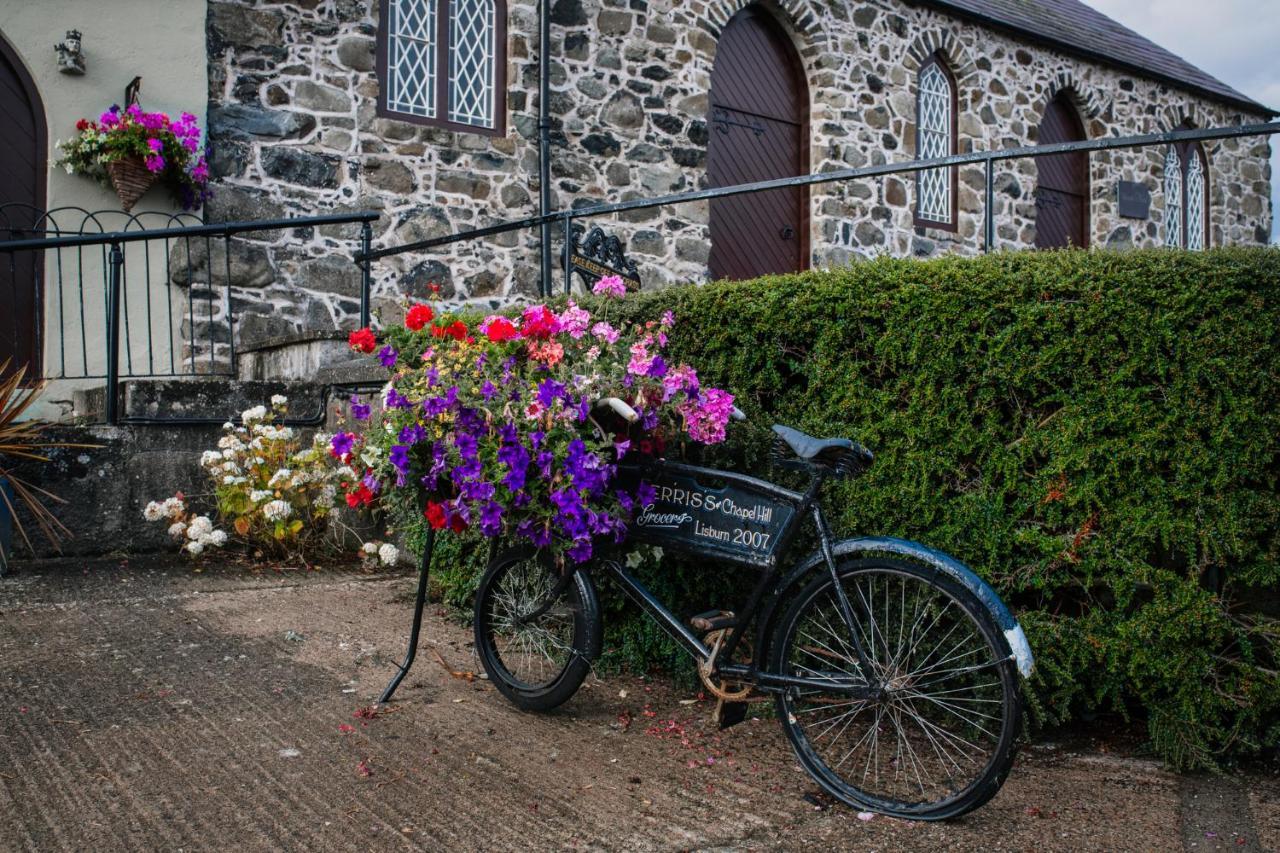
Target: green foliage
(1094, 433)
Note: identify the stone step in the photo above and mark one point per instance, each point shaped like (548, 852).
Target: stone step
(199, 397)
(292, 357)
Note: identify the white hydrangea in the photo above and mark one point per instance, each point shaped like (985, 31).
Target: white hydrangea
(230, 443)
(173, 506)
(200, 527)
(231, 480)
(210, 457)
(388, 554)
(256, 444)
(216, 538)
(370, 548)
(257, 413)
(177, 529)
(153, 512)
(346, 472)
(260, 495)
(277, 510)
(230, 467)
(279, 478)
(279, 400)
(195, 548)
(228, 426)
(321, 439)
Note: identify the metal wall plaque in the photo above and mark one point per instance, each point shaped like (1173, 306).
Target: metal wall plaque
(1134, 199)
(598, 255)
(730, 523)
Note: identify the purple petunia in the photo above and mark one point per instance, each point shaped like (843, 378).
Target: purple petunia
(359, 410)
(341, 443)
(387, 356)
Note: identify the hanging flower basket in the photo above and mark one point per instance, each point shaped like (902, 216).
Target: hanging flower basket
(131, 151)
(131, 179)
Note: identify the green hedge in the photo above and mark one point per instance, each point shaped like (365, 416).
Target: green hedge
(1094, 433)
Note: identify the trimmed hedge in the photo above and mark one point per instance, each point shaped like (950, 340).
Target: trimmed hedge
(1094, 433)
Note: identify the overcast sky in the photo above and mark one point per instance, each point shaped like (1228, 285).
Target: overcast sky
(1234, 40)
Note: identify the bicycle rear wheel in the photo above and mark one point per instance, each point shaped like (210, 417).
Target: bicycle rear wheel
(537, 662)
(938, 740)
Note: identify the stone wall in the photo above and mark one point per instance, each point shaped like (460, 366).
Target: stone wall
(294, 130)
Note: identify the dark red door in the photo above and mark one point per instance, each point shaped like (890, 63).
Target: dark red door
(759, 130)
(22, 165)
(1062, 185)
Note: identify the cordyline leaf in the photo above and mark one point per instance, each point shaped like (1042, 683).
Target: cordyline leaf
(24, 439)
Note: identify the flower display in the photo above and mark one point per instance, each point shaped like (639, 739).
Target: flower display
(496, 428)
(274, 489)
(169, 148)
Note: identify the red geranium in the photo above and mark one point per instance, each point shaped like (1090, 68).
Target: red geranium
(418, 316)
(457, 330)
(500, 329)
(434, 515)
(362, 340)
(361, 496)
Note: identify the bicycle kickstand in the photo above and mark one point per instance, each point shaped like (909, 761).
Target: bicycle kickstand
(419, 602)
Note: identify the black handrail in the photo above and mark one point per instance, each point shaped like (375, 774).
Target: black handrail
(221, 229)
(988, 158)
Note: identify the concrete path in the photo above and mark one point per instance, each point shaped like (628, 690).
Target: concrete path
(151, 707)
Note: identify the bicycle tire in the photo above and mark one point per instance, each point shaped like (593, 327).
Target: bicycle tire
(938, 705)
(537, 666)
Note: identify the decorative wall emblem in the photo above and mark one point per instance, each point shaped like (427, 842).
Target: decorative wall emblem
(598, 255)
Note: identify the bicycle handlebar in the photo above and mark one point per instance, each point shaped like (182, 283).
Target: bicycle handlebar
(629, 414)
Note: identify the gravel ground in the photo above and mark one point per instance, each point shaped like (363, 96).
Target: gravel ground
(152, 707)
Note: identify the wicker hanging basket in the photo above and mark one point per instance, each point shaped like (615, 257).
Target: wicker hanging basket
(131, 180)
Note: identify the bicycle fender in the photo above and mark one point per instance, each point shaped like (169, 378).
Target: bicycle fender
(943, 563)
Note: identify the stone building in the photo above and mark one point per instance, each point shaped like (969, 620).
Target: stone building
(326, 105)
(426, 111)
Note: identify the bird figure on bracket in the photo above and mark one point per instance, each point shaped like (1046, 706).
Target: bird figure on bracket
(131, 92)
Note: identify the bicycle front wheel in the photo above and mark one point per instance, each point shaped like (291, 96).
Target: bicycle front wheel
(536, 651)
(938, 739)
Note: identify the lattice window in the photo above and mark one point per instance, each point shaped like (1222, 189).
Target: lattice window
(411, 58)
(472, 36)
(934, 120)
(1172, 198)
(1195, 201)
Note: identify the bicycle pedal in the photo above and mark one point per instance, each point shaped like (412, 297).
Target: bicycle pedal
(713, 620)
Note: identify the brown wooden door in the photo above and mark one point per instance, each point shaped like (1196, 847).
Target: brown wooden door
(759, 130)
(1062, 185)
(22, 184)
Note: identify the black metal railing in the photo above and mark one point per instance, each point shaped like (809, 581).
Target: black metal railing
(112, 298)
(987, 159)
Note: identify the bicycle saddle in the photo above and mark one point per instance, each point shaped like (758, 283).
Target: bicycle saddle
(842, 454)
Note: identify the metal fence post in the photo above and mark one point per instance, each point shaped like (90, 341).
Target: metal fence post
(568, 253)
(116, 262)
(989, 208)
(366, 271)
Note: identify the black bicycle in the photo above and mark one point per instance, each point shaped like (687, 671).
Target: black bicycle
(894, 667)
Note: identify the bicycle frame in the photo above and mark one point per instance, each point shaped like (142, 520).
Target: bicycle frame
(805, 504)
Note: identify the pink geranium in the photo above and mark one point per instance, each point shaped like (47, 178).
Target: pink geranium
(610, 285)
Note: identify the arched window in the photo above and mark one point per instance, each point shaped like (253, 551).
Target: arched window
(1195, 205)
(443, 63)
(1173, 198)
(936, 137)
(1185, 196)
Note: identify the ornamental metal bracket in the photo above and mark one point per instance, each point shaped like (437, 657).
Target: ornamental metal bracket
(598, 255)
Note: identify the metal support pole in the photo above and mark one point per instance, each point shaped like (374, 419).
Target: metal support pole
(366, 272)
(419, 602)
(568, 255)
(544, 137)
(989, 208)
(116, 264)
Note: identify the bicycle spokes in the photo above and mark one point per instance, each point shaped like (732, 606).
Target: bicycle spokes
(937, 719)
(532, 650)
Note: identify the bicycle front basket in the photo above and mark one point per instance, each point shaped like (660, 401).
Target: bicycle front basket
(740, 520)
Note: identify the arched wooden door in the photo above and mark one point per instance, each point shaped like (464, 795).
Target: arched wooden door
(1062, 184)
(22, 187)
(759, 130)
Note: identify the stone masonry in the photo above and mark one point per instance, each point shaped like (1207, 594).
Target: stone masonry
(293, 131)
